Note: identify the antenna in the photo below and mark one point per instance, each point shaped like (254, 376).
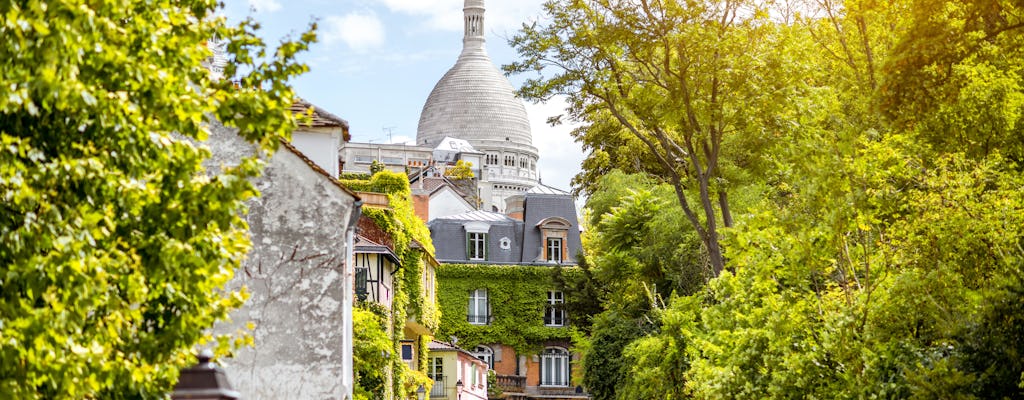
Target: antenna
(388, 130)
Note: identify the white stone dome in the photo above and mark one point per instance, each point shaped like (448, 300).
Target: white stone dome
(474, 101)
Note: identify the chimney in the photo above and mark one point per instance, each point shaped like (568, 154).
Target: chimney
(515, 207)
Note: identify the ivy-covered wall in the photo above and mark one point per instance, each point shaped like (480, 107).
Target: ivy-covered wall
(517, 295)
(409, 297)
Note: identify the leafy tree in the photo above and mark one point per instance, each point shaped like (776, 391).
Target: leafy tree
(462, 170)
(680, 78)
(637, 255)
(377, 166)
(882, 258)
(115, 241)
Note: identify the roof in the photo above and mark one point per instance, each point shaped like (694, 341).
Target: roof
(319, 116)
(366, 246)
(448, 347)
(545, 189)
(478, 215)
(474, 101)
(317, 168)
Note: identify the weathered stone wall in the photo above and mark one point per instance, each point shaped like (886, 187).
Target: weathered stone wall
(299, 277)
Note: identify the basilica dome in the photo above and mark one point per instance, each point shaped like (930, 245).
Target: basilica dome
(473, 100)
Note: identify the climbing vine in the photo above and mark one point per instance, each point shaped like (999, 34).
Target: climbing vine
(517, 295)
(405, 229)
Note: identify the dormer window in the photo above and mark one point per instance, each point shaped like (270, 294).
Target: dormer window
(476, 240)
(554, 250)
(476, 246)
(554, 234)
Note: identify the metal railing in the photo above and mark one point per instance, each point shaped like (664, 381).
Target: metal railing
(437, 391)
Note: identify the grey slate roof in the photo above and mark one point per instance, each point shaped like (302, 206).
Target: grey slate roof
(538, 207)
(525, 237)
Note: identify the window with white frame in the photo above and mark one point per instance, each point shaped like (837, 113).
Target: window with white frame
(435, 371)
(510, 160)
(554, 314)
(554, 253)
(479, 310)
(476, 246)
(554, 367)
(485, 354)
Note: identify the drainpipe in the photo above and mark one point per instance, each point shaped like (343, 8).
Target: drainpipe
(348, 370)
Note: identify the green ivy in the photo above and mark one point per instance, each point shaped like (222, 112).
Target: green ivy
(401, 223)
(517, 296)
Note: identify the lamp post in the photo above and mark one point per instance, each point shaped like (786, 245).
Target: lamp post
(421, 393)
(203, 381)
(458, 388)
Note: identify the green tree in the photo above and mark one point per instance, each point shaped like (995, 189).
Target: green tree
(115, 241)
(462, 170)
(680, 78)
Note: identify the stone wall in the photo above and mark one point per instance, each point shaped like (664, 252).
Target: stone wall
(298, 274)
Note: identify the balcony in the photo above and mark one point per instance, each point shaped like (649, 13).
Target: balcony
(511, 383)
(437, 391)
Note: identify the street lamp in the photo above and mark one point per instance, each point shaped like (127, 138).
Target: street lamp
(458, 388)
(203, 381)
(421, 393)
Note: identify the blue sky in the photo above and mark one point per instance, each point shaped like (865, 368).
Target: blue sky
(377, 60)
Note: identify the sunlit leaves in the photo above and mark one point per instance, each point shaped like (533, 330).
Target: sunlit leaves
(115, 239)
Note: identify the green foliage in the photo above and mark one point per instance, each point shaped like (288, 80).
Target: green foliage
(493, 390)
(667, 89)
(354, 176)
(115, 241)
(517, 297)
(409, 296)
(370, 345)
(377, 166)
(882, 255)
(462, 170)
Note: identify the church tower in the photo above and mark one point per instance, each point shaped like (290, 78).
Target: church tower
(474, 102)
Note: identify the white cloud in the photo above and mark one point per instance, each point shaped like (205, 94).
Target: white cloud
(360, 31)
(264, 5)
(502, 16)
(560, 156)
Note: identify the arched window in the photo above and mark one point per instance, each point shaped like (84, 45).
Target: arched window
(485, 354)
(554, 367)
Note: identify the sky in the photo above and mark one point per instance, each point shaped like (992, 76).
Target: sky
(377, 60)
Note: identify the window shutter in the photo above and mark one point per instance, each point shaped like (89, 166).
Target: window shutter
(468, 244)
(486, 243)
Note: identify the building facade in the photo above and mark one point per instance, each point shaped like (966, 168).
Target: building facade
(299, 274)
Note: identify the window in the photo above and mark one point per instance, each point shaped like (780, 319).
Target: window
(554, 314)
(492, 159)
(510, 161)
(364, 159)
(485, 354)
(435, 368)
(479, 312)
(476, 246)
(522, 162)
(435, 371)
(406, 352)
(554, 250)
(362, 274)
(554, 367)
